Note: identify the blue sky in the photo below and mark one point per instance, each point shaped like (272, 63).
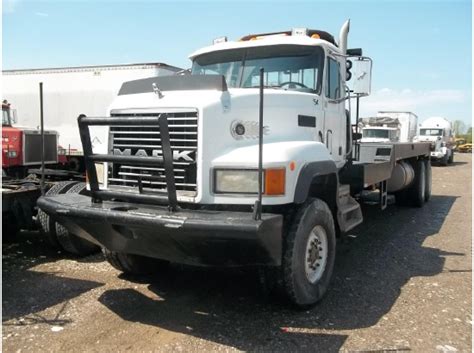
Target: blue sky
(421, 49)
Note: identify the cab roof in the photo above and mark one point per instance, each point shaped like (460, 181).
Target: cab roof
(311, 38)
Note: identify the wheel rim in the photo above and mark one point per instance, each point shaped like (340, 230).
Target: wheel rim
(316, 254)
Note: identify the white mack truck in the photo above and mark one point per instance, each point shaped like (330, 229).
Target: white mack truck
(437, 131)
(251, 160)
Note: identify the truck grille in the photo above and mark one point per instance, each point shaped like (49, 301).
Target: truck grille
(32, 154)
(144, 140)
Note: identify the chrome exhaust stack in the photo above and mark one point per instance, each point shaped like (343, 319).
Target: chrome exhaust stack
(343, 37)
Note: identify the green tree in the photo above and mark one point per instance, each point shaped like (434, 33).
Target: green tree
(458, 127)
(469, 135)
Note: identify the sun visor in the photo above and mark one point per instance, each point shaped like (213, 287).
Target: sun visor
(174, 83)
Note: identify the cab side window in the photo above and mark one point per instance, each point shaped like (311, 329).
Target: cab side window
(333, 80)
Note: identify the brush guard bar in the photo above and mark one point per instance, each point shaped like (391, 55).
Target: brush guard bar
(168, 197)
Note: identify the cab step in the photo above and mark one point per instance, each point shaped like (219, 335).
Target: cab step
(349, 213)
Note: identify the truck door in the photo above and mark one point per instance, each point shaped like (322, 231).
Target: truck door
(334, 111)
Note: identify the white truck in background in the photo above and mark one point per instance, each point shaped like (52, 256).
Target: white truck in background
(69, 92)
(437, 130)
(389, 126)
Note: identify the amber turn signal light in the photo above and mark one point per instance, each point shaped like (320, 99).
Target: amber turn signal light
(275, 182)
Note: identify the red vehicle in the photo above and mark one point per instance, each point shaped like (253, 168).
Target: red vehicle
(21, 147)
(21, 187)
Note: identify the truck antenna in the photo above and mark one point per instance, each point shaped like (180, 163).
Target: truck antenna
(42, 137)
(257, 211)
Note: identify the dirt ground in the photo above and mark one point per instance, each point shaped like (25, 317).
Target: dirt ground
(401, 283)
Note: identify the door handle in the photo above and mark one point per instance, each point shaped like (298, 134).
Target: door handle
(329, 141)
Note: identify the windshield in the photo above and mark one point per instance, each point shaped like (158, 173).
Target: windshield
(375, 133)
(431, 132)
(286, 66)
(6, 118)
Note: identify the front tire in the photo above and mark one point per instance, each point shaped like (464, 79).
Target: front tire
(133, 264)
(444, 161)
(309, 254)
(451, 157)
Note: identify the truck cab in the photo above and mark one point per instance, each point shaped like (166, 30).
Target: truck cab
(389, 126)
(372, 132)
(8, 114)
(11, 139)
(304, 115)
(437, 131)
(21, 146)
(380, 134)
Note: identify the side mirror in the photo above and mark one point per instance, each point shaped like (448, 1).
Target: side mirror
(361, 76)
(356, 136)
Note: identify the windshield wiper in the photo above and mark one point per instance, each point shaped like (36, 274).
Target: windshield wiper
(265, 86)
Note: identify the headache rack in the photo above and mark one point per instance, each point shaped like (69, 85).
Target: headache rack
(165, 160)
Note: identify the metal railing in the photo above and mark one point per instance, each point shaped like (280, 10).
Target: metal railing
(165, 160)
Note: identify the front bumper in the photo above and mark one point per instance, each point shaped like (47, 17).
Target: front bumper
(195, 237)
(437, 155)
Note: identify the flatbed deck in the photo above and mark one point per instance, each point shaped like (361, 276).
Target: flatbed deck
(376, 161)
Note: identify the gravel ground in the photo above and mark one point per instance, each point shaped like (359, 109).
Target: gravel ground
(401, 283)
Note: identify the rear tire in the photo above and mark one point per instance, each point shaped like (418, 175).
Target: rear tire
(309, 254)
(58, 236)
(417, 192)
(428, 180)
(133, 264)
(48, 225)
(70, 242)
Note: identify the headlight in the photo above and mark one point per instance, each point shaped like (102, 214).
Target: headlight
(12, 154)
(235, 181)
(245, 181)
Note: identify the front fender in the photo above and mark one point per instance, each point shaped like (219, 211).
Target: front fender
(275, 152)
(308, 158)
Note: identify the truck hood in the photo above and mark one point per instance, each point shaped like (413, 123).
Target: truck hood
(174, 91)
(172, 101)
(218, 111)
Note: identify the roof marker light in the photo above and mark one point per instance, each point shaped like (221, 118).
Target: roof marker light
(316, 36)
(299, 32)
(220, 40)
